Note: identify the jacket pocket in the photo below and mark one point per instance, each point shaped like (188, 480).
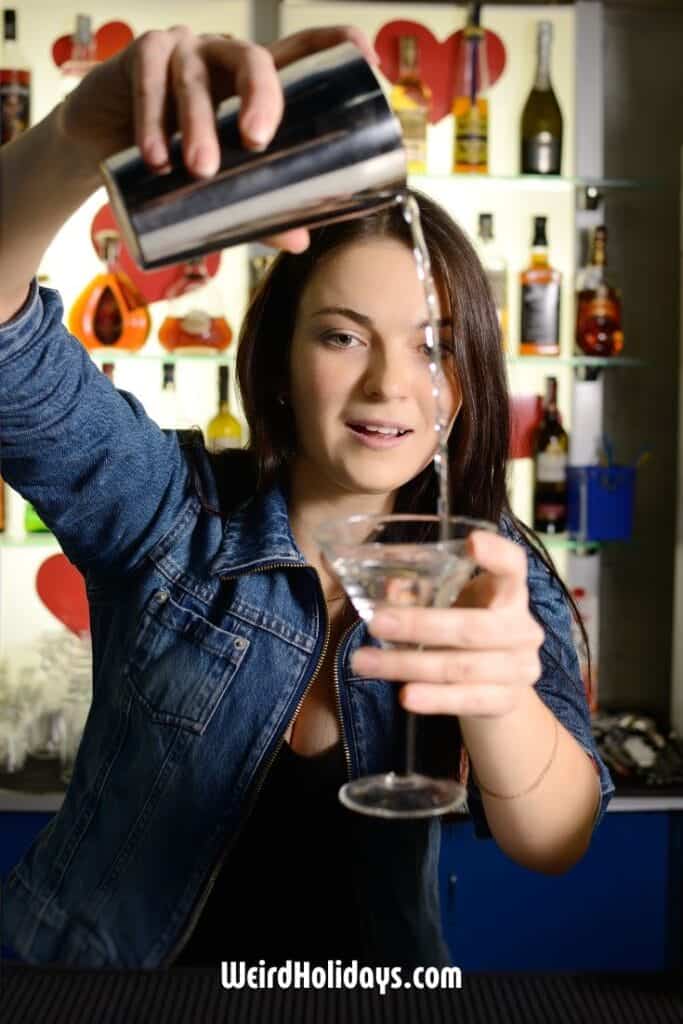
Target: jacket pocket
(181, 665)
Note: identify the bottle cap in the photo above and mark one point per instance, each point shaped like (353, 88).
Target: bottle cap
(9, 24)
(486, 226)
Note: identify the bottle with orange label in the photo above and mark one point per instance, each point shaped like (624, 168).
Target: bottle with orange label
(110, 312)
(194, 322)
(598, 309)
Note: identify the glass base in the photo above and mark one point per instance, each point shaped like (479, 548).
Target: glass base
(402, 796)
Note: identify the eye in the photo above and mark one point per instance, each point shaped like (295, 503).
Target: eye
(447, 349)
(339, 339)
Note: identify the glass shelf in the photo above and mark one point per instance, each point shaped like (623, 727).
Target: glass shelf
(537, 182)
(563, 542)
(596, 361)
(34, 540)
(100, 355)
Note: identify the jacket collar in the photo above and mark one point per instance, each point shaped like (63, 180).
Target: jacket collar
(257, 536)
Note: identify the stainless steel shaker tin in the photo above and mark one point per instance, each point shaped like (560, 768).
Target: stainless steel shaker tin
(337, 153)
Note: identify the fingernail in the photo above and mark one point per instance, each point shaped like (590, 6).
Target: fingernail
(155, 152)
(258, 132)
(204, 161)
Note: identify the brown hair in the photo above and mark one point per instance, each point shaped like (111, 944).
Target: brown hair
(479, 441)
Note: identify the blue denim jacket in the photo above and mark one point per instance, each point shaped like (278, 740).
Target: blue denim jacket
(205, 632)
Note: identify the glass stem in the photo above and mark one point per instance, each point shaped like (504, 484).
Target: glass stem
(411, 723)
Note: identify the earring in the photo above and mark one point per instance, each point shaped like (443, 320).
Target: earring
(281, 400)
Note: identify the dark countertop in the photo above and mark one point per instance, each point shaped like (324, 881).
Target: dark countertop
(189, 995)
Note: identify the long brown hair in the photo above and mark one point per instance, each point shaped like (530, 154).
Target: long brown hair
(479, 441)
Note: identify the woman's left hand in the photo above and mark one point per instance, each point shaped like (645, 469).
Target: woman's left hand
(480, 656)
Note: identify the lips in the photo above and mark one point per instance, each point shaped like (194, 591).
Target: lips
(379, 428)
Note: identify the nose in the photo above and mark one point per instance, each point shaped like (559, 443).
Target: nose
(386, 376)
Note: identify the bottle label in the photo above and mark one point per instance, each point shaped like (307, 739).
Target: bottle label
(541, 154)
(541, 314)
(197, 322)
(599, 306)
(15, 103)
(471, 137)
(551, 468)
(414, 129)
(221, 444)
(550, 513)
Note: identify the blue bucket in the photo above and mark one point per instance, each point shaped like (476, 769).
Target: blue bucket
(600, 502)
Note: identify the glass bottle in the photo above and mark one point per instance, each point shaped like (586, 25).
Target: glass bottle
(167, 412)
(540, 321)
(15, 82)
(598, 312)
(541, 135)
(551, 451)
(410, 100)
(470, 105)
(495, 266)
(224, 430)
(195, 323)
(32, 521)
(83, 54)
(110, 312)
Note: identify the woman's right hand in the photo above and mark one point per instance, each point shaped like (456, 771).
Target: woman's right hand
(173, 80)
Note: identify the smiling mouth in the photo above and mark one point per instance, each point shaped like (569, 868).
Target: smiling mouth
(370, 431)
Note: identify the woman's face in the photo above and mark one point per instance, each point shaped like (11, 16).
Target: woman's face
(360, 386)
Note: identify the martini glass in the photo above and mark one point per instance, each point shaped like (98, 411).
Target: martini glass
(398, 561)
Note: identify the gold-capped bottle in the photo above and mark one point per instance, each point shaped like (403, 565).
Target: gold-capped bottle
(410, 100)
(470, 105)
(224, 430)
(598, 311)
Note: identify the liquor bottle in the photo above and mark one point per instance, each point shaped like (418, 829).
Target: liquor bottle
(167, 411)
(223, 430)
(551, 449)
(194, 322)
(541, 142)
(470, 106)
(108, 371)
(110, 311)
(83, 54)
(598, 312)
(495, 266)
(410, 100)
(15, 82)
(260, 262)
(540, 326)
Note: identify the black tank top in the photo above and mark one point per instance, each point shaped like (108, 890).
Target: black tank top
(286, 890)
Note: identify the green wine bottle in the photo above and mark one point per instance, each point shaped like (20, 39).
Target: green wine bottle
(541, 143)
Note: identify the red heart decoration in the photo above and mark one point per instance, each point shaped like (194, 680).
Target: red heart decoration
(61, 588)
(109, 39)
(438, 61)
(153, 284)
(525, 415)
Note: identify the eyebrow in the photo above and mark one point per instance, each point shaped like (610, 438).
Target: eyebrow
(367, 321)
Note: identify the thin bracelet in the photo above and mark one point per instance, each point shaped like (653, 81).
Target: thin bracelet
(537, 782)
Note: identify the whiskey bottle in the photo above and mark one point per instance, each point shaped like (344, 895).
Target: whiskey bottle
(410, 100)
(540, 321)
(598, 309)
(470, 105)
(541, 143)
(15, 82)
(495, 267)
(550, 466)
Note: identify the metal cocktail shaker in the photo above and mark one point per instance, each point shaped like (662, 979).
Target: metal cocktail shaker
(338, 152)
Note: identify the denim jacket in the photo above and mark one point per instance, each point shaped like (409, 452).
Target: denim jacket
(206, 633)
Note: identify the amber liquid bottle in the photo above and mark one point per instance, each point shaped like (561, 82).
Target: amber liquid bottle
(194, 323)
(15, 82)
(470, 105)
(550, 466)
(540, 324)
(598, 311)
(410, 100)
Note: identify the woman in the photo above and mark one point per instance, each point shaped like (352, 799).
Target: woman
(234, 688)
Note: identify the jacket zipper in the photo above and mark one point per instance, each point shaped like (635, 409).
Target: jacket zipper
(201, 902)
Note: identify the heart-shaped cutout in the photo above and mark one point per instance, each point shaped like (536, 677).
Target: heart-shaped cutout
(61, 588)
(438, 61)
(153, 284)
(109, 39)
